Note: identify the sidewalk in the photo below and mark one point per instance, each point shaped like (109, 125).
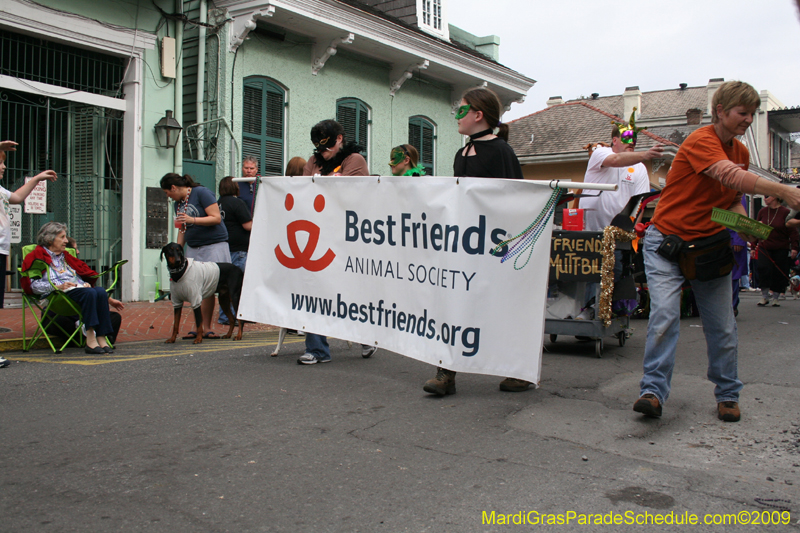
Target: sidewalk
(141, 321)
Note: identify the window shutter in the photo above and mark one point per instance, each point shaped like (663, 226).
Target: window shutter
(421, 136)
(262, 124)
(353, 115)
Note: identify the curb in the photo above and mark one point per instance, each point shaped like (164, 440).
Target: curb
(11, 345)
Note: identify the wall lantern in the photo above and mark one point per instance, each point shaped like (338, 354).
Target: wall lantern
(168, 131)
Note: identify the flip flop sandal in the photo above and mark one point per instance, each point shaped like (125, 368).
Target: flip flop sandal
(211, 335)
(190, 335)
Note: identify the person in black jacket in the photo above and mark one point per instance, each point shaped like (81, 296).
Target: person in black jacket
(238, 221)
(486, 155)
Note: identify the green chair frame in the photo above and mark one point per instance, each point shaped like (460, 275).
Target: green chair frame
(53, 305)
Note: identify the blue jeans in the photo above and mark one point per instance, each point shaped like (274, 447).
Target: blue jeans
(317, 345)
(240, 260)
(664, 280)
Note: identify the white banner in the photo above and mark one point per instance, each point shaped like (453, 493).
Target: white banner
(403, 263)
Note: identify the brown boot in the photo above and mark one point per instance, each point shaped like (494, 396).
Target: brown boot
(443, 383)
(728, 411)
(514, 385)
(648, 405)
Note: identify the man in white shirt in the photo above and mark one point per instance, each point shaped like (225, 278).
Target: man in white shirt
(620, 166)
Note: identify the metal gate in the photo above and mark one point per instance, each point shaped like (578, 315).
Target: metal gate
(83, 144)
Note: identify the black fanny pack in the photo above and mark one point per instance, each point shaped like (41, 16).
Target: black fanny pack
(701, 259)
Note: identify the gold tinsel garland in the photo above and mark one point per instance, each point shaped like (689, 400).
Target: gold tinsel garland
(611, 235)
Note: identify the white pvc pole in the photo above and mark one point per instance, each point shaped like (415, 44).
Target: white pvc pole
(551, 183)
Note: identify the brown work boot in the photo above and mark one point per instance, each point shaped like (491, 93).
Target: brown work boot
(443, 383)
(728, 411)
(648, 405)
(514, 385)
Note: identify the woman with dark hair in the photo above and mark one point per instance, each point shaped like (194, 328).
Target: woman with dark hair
(332, 157)
(404, 161)
(76, 279)
(200, 228)
(486, 155)
(238, 222)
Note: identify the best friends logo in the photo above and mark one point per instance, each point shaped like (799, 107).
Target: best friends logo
(302, 258)
(405, 232)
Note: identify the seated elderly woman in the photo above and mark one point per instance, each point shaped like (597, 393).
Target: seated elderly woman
(76, 279)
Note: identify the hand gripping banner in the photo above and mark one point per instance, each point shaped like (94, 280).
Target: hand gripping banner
(405, 264)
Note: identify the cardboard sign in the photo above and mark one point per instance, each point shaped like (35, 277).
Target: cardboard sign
(576, 256)
(15, 220)
(36, 202)
(403, 264)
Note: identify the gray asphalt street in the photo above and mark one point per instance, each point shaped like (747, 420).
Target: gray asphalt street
(223, 437)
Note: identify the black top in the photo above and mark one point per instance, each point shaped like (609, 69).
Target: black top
(492, 159)
(234, 213)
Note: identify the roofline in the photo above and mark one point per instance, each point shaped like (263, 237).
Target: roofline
(653, 136)
(389, 32)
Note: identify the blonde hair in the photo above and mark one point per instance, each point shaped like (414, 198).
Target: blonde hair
(731, 94)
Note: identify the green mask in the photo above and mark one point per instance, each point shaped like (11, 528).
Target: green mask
(397, 156)
(462, 111)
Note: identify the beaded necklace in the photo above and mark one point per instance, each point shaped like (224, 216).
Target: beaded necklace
(526, 240)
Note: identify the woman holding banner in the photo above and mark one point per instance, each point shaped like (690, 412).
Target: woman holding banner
(486, 155)
(332, 157)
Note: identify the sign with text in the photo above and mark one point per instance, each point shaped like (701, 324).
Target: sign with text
(404, 264)
(15, 220)
(576, 256)
(36, 202)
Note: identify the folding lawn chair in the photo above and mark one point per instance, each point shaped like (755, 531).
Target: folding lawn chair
(53, 305)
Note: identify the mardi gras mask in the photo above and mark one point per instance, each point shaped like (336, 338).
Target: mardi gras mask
(628, 137)
(628, 132)
(397, 156)
(462, 111)
(322, 144)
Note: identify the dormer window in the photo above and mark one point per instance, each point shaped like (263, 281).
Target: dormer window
(432, 17)
(432, 13)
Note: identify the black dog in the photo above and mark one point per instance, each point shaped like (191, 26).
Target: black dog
(229, 289)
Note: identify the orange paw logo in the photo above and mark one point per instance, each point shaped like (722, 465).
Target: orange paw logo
(302, 258)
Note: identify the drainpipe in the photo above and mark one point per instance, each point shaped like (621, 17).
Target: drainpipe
(178, 155)
(201, 76)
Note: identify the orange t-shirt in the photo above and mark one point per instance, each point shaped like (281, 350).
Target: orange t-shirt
(684, 208)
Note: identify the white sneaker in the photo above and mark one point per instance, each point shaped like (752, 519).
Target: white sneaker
(586, 314)
(4, 362)
(775, 303)
(763, 302)
(367, 350)
(311, 359)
